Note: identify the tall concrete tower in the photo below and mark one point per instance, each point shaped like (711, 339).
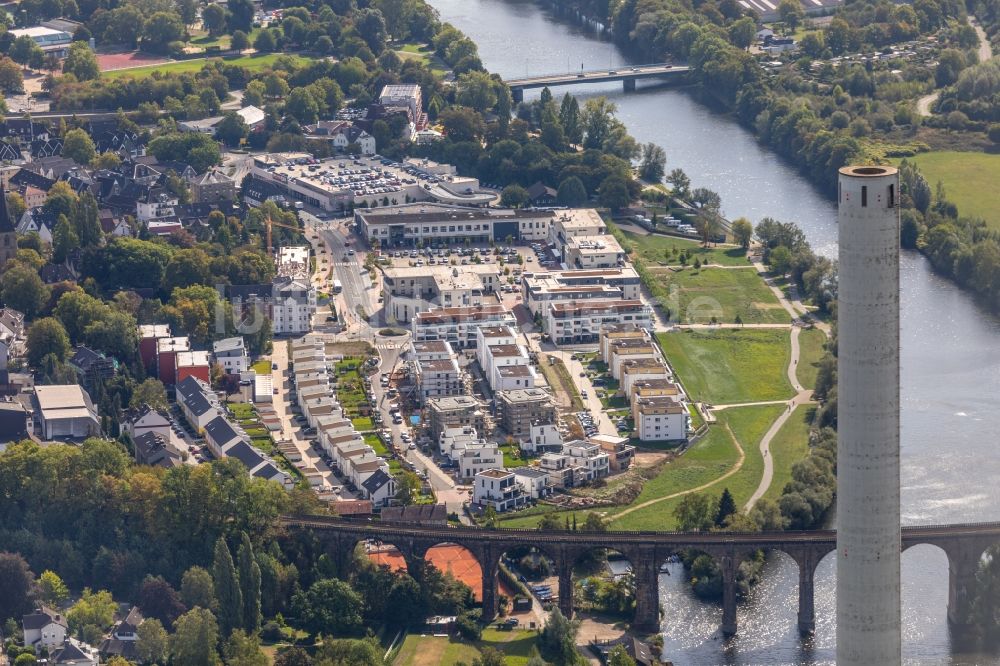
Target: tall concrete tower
(868, 530)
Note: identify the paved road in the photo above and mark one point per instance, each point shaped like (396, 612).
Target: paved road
(358, 289)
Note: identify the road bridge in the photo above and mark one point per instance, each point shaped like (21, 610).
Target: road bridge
(627, 74)
(964, 545)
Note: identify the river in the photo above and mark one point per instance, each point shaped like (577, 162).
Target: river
(950, 365)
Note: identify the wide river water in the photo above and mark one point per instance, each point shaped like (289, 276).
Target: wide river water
(950, 354)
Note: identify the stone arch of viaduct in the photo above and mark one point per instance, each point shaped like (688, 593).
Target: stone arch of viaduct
(964, 545)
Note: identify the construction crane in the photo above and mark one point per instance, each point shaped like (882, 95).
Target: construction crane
(268, 223)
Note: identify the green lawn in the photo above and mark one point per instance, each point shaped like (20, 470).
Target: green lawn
(789, 446)
(251, 62)
(656, 250)
(811, 341)
(424, 54)
(420, 650)
(262, 367)
(970, 181)
(720, 293)
(731, 365)
(749, 424)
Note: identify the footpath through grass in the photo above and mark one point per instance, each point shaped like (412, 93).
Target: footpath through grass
(970, 181)
(724, 294)
(254, 63)
(729, 366)
(790, 445)
(811, 342)
(423, 650)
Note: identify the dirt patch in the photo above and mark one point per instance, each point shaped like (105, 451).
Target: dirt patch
(111, 61)
(448, 558)
(766, 306)
(349, 348)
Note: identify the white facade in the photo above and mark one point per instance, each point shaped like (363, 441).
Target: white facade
(543, 437)
(589, 457)
(459, 326)
(541, 289)
(44, 629)
(478, 458)
(659, 419)
(294, 303)
(533, 480)
(581, 322)
(868, 504)
(499, 489)
(231, 354)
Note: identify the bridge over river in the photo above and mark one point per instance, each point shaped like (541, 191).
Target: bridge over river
(628, 75)
(964, 544)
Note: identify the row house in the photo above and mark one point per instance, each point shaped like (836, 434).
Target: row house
(580, 322)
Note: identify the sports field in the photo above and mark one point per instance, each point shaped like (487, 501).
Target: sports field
(253, 63)
(447, 558)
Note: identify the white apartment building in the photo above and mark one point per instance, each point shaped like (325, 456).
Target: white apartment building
(504, 361)
(543, 438)
(580, 322)
(293, 306)
(533, 480)
(608, 284)
(459, 325)
(499, 489)
(659, 418)
(231, 354)
(630, 349)
(438, 377)
(478, 458)
(405, 95)
(593, 252)
(573, 223)
(634, 371)
(453, 440)
(589, 457)
(410, 290)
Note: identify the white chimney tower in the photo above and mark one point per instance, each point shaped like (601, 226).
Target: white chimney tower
(868, 524)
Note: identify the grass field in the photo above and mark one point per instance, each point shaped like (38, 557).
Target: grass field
(654, 249)
(424, 54)
(720, 293)
(262, 367)
(731, 365)
(969, 179)
(811, 341)
(254, 63)
(418, 650)
(789, 446)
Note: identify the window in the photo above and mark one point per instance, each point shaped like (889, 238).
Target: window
(892, 196)
(864, 196)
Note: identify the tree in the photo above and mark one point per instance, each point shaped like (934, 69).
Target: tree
(514, 196)
(780, 260)
(81, 62)
(727, 508)
(51, 588)
(742, 32)
(407, 488)
(196, 634)
(24, 51)
(25, 659)
(549, 523)
(791, 13)
(489, 657)
(150, 392)
(462, 124)
(571, 193)
(594, 523)
(370, 25)
(227, 589)
(557, 641)
(187, 267)
(197, 588)
(47, 337)
(302, 106)
(294, 656)
(161, 29)
(240, 41)
(695, 512)
(766, 514)
(613, 193)
(11, 78)
(994, 133)
(91, 614)
(17, 586)
(404, 602)
(569, 118)
(22, 289)
(619, 657)
(85, 221)
(243, 649)
(329, 607)
(241, 15)
(151, 643)
(249, 574)
(64, 240)
(654, 161)
(680, 182)
(78, 146)
(742, 231)
(214, 19)
(158, 599)
(477, 90)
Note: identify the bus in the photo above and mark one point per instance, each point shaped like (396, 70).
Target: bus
(337, 287)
